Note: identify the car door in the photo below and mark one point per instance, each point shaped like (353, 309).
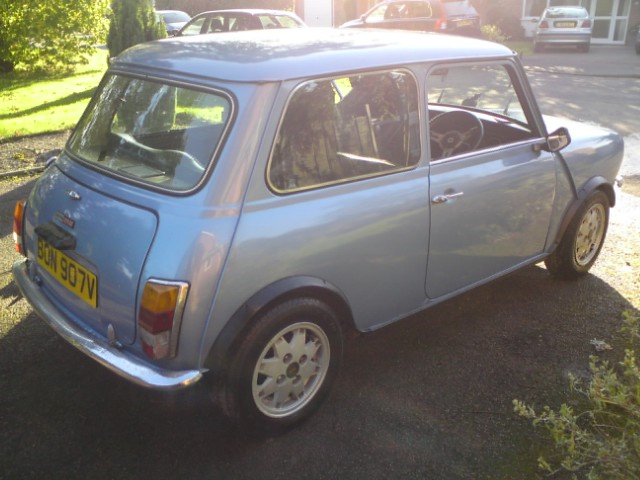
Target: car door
(491, 187)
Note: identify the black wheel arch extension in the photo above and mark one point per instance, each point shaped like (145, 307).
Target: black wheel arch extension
(594, 184)
(277, 292)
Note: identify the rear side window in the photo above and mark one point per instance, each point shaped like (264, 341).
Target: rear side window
(277, 21)
(194, 28)
(402, 10)
(344, 129)
(158, 134)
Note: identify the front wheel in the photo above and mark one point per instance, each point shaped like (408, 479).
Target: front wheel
(583, 240)
(285, 365)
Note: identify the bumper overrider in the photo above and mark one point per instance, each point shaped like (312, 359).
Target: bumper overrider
(96, 347)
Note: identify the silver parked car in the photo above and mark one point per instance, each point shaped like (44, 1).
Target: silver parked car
(173, 20)
(218, 21)
(564, 26)
(232, 207)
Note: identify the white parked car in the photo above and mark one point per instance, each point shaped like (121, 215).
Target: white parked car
(564, 26)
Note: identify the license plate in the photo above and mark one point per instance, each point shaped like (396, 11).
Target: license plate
(73, 276)
(464, 23)
(565, 24)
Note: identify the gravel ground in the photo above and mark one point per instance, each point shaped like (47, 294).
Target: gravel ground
(29, 152)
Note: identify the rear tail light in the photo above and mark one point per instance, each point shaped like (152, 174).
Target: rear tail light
(18, 218)
(543, 24)
(441, 24)
(160, 316)
(586, 23)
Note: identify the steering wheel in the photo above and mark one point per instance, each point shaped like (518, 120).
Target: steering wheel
(453, 133)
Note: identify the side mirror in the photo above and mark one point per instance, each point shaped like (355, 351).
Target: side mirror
(557, 140)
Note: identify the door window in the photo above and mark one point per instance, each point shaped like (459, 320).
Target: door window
(473, 108)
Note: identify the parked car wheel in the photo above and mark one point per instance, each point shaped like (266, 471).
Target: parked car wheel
(581, 243)
(285, 365)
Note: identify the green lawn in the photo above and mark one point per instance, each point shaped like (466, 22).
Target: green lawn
(40, 104)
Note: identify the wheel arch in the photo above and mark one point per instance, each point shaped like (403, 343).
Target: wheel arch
(271, 295)
(593, 185)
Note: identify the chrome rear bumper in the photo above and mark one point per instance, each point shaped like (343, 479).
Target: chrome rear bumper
(115, 359)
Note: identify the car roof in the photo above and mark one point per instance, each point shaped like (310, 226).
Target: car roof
(249, 11)
(275, 55)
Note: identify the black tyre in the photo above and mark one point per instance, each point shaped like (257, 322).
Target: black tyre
(285, 365)
(583, 240)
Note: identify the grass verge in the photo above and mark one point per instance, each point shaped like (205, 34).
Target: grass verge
(34, 104)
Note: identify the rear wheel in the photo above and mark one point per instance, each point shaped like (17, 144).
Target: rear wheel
(583, 240)
(285, 365)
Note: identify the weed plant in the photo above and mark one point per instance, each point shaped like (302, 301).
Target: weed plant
(599, 438)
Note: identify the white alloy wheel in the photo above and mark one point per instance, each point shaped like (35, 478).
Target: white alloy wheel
(590, 234)
(291, 369)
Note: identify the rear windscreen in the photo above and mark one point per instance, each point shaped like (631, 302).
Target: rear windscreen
(150, 132)
(566, 13)
(457, 8)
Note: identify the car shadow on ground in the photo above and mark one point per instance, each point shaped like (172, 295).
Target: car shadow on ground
(427, 397)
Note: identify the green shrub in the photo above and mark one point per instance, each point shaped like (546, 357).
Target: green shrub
(132, 22)
(600, 437)
(493, 34)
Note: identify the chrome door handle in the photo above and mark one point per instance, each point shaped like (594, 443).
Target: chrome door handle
(446, 198)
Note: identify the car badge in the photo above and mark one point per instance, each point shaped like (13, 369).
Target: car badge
(73, 195)
(65, 220)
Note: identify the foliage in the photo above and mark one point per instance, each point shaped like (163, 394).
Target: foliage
(501, 14)
(49, 35)
(493, 34)
(132, 22)
(600, 439)
(193, 7)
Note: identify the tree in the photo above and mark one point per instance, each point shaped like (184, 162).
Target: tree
(132, 22)
(49, 35)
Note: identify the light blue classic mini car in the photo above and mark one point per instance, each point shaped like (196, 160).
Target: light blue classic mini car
(233, 206)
